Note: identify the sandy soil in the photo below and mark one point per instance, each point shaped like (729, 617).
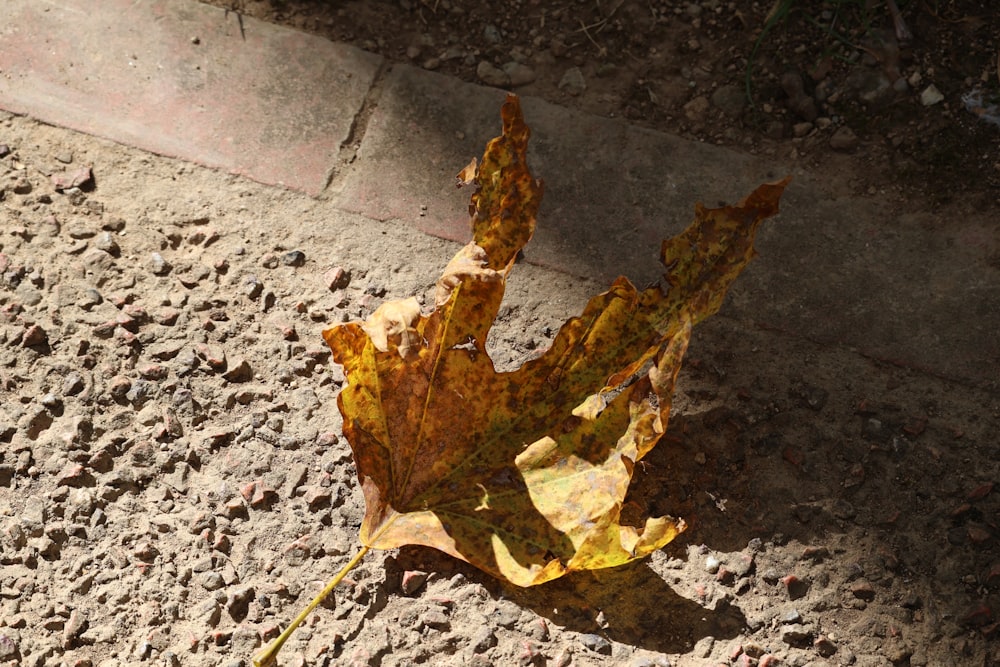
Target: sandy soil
(174, 486)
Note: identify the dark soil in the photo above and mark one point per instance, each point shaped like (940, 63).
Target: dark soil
(811, 81)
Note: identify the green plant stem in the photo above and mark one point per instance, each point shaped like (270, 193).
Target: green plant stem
(268, 657)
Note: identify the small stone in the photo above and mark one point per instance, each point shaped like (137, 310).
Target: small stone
(145, 551)
(492, 34)
(107, 243)
(492, 75)
(119, 387)
(530, 653)
(269, 261)
(518, 73)
(171, 424)
(897, 651)
(801, 129)
(9, 650)
(863, 590)
(252, 287)
(22, 186)
(711, 564)
(483, 639)
(259, 495)
(931, 96)
(34, 336)
(596, 643)
(293, 258)
(72, 179)
(539, 630)
(795, 587)
(75, 624)
(795, 634)
(153, 371)
(113, 224)
(696, 110)
(212, 581)
(844, 140)
(507, 615)
(978, 534)
(791, 616)
(318, 497)
(73, 384)
(286, 328)
(336, 278)
(436, 619)
(72, 475)
(413, 581)
(239, 372)
(572, 81)
(166, 316)
(213, 355)
(813, 553)
(159, 265)
(824, 646)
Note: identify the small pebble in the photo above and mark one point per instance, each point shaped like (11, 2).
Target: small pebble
(212, 581)
(336, 278)
(572, 81)
(844, 140)
(252, 287)
(413, 581)
(159, 265)
(34, 336)
(596, 643)
(795, 587)
(931, 96)
(483, 639)
(68, 180)
(293, 258)
(824, 646)
(711, 564)
(436, 619)
(791, 616)
(492, 75)
(795, 634)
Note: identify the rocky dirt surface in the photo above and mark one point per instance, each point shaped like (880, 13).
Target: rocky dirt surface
(904, 106)
(174, 487)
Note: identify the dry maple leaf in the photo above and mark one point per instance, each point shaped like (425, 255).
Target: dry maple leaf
(523, 474)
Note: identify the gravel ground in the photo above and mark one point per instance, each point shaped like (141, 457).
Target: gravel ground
(174, 486)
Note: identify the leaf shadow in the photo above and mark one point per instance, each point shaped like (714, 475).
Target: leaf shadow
(631, 604)
(639, 609)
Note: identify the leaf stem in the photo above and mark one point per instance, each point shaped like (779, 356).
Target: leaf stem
(268, 657)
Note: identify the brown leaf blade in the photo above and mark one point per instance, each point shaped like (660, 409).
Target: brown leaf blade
(523, 474)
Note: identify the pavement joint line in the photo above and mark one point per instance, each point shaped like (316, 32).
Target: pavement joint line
(849, 348)
(349, 148)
